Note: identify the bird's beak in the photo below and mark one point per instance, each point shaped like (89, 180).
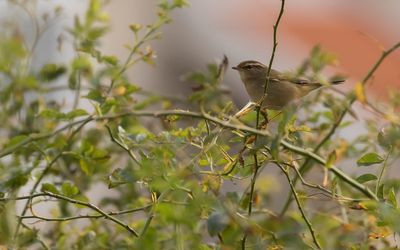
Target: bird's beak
(235, 68)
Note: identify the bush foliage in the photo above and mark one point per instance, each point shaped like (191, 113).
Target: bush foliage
(180, 179)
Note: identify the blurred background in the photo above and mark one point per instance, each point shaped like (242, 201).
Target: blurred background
(355, 31)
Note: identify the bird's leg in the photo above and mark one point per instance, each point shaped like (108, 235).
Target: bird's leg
(246, 109)
(264, 113)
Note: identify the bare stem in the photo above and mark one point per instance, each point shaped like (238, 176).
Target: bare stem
(378, 183)
(95, 208)
(256, 165)
(299, 205)
(84, 216)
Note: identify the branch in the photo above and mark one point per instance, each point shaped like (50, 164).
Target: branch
(44, 173)
(324, 190)
(352, 98)
(121, 145)
(36, 137)
(385, 163)
(225, 124)
(256, 165)
(128, 61)
(339, 173)
(204, 116)
(273, 51)
(85, 216)
(108, 216)
(296, 197)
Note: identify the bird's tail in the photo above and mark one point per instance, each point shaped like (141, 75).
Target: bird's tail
(337, 82)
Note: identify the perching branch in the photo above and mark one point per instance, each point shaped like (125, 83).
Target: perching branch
(273, 51)
(226, 124)
(183, 113)
(256, 165)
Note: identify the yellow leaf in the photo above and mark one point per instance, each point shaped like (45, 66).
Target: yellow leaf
(390, 116)
(360, 92)
(119, 91)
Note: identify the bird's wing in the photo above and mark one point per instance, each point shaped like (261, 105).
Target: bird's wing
(303, 81)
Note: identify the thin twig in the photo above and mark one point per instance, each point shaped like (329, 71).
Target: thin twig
(38, 238)
(315, 186)
(299, 205)
(378, 183)
(82, 203)
(339, 173)
(128, 60)
(352, 99)
(86, 216)
(124, 147)
(258, 110)
(226, 124)
(215, 120)
(273, 51)
(252, 185)
(305, 167)
(78, 86)
(44, 173)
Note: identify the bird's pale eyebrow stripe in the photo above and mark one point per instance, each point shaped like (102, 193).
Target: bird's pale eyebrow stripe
(253, 65)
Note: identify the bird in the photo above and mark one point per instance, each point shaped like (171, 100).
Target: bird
(281, 89)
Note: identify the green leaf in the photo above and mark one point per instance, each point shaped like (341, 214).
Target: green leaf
(112, 60)
(331, 159)
(76, 113)
(95, 95)
(96, 32)
(17, 178)
(204, 162)
(69, 189)
(72, 81)
(369, 159)
(100, 155)
(366, 177)
(120, 177)
(50, 72)
(82, 64)
(389, 216)
(27, 238)
(52, 114)
(392, 198)
(381, 191)
(16, 139)
(86, 166)
(48, 187)
(180, 3)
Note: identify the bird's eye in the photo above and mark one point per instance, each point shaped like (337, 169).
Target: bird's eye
(248, 66)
